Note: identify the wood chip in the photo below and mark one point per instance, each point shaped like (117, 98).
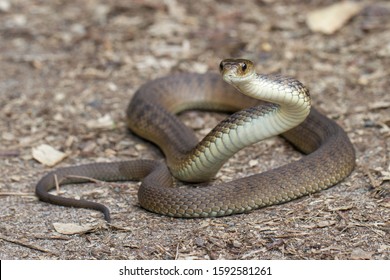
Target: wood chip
(47, 155)
(253, 162)
(237, 244)
(8, 136)
(360, 254)
(104, 122)
(330, 19)
(15, 178)
(323, 224)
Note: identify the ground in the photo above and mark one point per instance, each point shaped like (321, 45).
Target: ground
(66, 66)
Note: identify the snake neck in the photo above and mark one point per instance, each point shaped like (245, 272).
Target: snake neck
(289, 106)
(291, 96)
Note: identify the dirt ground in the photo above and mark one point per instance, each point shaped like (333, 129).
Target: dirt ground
(69, 68)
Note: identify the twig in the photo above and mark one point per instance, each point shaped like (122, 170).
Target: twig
(27, 245)
(56, 182)
(55, 237)
(92, 180)
(15, 194)
(292, 235)
(177, 252)
(9, 153)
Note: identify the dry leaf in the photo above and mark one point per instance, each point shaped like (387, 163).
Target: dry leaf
(71, 228)
(330, 19)
(47, 155)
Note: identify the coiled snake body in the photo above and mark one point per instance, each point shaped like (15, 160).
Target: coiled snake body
(330, 155)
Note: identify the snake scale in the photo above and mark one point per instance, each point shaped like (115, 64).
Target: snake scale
(272, 105)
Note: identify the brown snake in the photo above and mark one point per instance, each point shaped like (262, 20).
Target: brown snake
(330, 155)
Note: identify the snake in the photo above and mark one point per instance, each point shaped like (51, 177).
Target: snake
(261, 106)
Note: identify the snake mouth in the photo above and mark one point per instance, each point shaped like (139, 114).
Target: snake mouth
(231, 73)
(233, 77)
(228, 77)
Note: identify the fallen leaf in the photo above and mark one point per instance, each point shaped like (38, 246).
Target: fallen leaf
(47, 155)
(330, 19)
(71, 228)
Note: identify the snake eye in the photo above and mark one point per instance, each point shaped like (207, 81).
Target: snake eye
(243, 66)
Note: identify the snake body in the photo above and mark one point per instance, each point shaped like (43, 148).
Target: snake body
(151, 114)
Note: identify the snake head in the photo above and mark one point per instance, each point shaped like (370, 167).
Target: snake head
(236, 71)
